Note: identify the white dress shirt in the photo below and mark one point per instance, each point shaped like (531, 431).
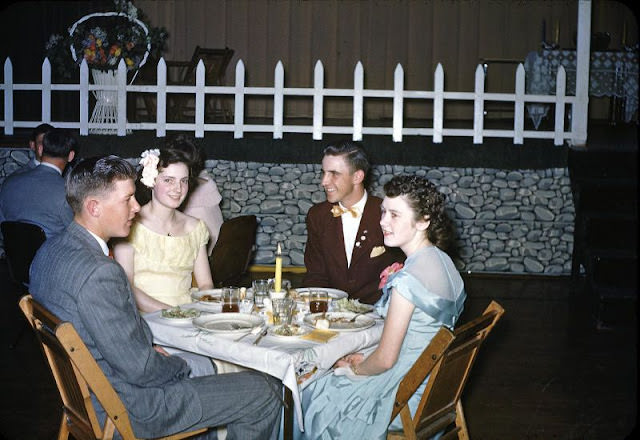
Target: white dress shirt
(350, 225)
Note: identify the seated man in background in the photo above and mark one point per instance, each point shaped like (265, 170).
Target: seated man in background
(37, 195)
(345, 247)
(35, 143)
(73, 276)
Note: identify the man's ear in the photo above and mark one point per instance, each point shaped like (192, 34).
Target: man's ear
(39, 150)
(71, 155)
(93, 207)
(358, 176)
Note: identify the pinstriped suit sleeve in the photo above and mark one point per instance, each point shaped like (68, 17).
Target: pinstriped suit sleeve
(107, 314)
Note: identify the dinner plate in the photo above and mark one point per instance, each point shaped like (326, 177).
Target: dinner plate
(179, 319)
(228, 323)
(299, 331)
(350, 305)
(339, 321)
(333, 293)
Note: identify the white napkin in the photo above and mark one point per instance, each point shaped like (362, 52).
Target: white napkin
(347, 371)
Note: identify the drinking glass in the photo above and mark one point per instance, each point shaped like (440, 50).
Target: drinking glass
(318, 301)
(260, 291)
(282, 310)
(230, 297)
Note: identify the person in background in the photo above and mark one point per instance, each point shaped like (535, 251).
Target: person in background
(345, 248)
(203, 200)
(37, 195)
(166, 248)
(73, 276)
(418, 298)
(35, 142)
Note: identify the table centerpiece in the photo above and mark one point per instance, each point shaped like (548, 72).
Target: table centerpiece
(102, 39)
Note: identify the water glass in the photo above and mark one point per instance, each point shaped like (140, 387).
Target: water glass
(246, 305)
(230, 298)
(260, 291)
(282, 310)
(318, 301)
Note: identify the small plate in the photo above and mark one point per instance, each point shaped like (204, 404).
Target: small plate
(333, 293)
(210, 298)
(297, 331)
(228, 323)
(339, 321)
(177, 319)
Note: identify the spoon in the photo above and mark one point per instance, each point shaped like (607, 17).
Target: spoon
(356, 316)
(264, 333)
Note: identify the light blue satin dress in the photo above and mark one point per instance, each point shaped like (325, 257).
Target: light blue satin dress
(336, 407)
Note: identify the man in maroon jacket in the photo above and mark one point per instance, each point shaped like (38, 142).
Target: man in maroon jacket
(345, 247)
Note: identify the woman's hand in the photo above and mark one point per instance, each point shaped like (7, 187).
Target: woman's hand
(349, 360)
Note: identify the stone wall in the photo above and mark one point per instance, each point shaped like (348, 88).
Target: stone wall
(508, 221)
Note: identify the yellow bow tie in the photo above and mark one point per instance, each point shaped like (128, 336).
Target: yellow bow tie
(338, 210)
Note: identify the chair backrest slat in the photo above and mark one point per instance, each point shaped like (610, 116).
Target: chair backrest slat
(447, 377)
(78, 375)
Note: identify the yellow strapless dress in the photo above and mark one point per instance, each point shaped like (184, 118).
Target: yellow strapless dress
(163, 265)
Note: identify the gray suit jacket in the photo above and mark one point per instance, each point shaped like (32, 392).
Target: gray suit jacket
(36, 196)
(73, 278)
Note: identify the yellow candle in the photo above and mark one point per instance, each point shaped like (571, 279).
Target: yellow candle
(278, 279)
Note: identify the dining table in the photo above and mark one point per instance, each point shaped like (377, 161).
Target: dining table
(296, 360)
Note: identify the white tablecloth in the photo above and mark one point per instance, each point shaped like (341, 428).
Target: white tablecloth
(279, 357)
(611, 73)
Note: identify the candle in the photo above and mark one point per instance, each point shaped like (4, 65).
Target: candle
(278, 279)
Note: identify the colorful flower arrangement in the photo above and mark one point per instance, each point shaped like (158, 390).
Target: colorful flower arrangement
(386, 273)
(149, 161)
(103, 39)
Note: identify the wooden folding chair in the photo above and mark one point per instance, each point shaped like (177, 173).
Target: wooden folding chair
(233, 251)
(440, 408)
(184, 73)
(77, 375)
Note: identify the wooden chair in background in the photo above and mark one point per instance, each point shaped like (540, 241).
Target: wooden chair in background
(77, 375)
(440, 408)
(233, 251)
(181, 106)
(21, 242)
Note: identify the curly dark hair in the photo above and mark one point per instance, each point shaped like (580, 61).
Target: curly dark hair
(425, 200)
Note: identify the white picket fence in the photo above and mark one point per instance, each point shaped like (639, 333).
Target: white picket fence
(439, 97)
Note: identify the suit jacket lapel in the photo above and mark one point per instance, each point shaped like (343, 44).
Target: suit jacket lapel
(362, 245)
(339, 253)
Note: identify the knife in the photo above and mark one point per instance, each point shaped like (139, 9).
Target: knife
(264, 332)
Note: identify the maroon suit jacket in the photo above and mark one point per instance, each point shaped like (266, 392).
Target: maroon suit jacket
(325, 257)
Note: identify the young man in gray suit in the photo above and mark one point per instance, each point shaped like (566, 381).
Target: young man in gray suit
(73, 276)
(345, 247)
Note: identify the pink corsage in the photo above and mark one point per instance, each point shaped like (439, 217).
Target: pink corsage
(384, 275)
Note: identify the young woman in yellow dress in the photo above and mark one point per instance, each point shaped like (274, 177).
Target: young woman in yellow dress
(166, 249)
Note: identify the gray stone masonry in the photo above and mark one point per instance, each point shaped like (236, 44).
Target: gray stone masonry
(507, 221)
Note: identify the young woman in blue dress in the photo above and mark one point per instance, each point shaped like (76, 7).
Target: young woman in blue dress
(418, 298)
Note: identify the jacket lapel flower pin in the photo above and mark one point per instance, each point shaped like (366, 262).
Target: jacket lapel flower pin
(377, 251)
(149, 162)
(384, 275)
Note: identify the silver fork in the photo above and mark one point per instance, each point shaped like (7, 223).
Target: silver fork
(254, 331)
(263, 334)
(356, 316)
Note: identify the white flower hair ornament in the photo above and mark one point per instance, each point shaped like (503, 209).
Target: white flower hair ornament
(149, 162)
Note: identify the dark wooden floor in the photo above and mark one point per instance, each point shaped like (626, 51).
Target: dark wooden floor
(544, 373)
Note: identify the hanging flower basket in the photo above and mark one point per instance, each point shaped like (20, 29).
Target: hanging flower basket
(104, 38)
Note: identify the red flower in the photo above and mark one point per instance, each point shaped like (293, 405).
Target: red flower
(384, 275)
